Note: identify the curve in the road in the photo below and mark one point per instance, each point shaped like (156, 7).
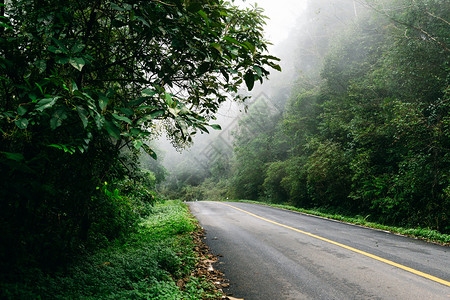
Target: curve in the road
(386, 261)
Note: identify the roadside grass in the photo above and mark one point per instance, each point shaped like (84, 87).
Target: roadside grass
(419, 233)
(146, 265)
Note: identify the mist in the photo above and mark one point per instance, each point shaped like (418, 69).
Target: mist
(289, 30)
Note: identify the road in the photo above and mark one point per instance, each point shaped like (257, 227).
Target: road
(270, 253)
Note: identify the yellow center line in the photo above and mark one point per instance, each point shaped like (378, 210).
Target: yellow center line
(386, 261)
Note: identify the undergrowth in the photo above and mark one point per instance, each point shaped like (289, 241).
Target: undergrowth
(145, 265)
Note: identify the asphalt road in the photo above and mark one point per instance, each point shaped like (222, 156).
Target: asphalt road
(270, 253)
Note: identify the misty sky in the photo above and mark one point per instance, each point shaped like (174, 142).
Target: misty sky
(282, 14)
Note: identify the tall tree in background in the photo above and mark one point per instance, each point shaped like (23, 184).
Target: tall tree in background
(368, 118)
(257, 142)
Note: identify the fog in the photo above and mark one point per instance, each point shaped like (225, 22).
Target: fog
(283, 16)
(287, 30)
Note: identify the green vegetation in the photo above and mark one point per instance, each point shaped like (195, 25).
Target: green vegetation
(365, 129)
(84, 88)
(144, 265)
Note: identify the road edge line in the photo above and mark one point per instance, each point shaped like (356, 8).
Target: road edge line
(386, 261)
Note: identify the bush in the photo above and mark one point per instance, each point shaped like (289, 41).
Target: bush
(146, 265)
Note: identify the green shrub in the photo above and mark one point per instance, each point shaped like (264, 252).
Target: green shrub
(145, 265)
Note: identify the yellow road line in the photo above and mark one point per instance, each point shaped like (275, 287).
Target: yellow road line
(386, 261)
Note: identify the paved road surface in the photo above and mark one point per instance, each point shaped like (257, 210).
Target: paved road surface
(269, 253)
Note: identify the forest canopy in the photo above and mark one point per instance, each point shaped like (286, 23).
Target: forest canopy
(84, 86)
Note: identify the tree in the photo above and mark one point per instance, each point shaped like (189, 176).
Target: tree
(258, 141)
(83, 80)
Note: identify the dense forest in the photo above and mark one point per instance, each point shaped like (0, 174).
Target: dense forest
(84, 87)
(363, 128)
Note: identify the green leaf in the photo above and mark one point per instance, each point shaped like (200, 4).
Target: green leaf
(234, 51)
(21, 123)
(8, 114)
(5, 25)
(116, 7)
(149, 151)
(77, 62)
(112, 129)
(67, 149)
(249, 46)
(138, 144)
(148, 93)
(216, 126)
(45, 103)
(249, 80)
(122, 118)
(225, 74)
(146, 107)
(232, 40)
(99, 121)
(136, 132)
(258, 70)
(202, 128)
(74, 86)
(217, 47)
(14, 156)
(61, 45)
(204, 16)
(142, 20)
(83, 114)
(276, 67)
(56, 50)
(39, 87)
(169, 100)
(203, 68)
(21, 110)
(103, 103)
(272, 57)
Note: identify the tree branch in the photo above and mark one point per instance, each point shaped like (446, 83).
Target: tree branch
(439, 18)
(383, 12)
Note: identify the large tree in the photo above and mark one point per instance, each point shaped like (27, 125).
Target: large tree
(82, 80)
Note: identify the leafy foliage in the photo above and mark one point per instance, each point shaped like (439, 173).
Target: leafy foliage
(84, 86)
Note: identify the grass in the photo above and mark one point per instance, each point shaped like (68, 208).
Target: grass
(419, 233)
(146, 265)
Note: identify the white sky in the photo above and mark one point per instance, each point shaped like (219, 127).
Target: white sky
(282, 14)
